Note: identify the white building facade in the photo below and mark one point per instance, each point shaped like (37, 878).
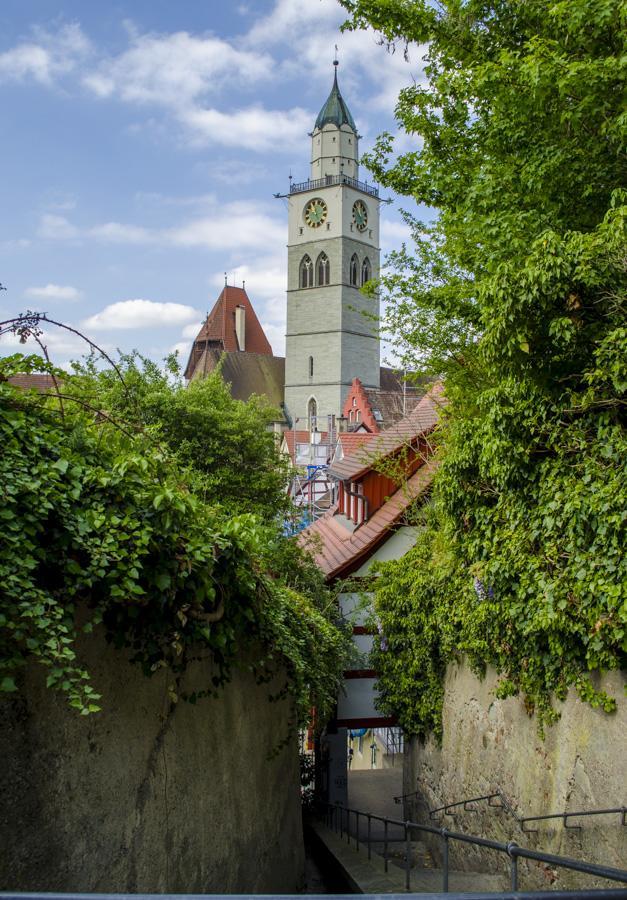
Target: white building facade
(333, 250)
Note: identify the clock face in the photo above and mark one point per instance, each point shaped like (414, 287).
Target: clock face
(315, 212)
(360, 214)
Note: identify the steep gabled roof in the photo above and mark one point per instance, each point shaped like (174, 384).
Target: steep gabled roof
(246, 373)
(420, 421)
(219, 328)
(338, 551)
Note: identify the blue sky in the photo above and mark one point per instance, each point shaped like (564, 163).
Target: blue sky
(142, 142)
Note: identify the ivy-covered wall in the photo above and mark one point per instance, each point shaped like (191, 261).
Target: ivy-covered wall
(489, 744)
(148, 795)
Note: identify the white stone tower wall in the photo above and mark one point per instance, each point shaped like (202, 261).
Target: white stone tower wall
(327, 322)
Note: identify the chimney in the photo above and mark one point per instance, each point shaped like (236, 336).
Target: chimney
(240, 327)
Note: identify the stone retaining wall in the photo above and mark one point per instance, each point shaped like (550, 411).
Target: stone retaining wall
(491, 744)
(147, 796)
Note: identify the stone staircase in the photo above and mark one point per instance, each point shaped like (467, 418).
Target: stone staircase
(368, 876)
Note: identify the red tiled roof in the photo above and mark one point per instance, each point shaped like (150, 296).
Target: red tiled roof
(34, 382)
(351, 441)
(219, 328)
(421, 420)
(338, 551)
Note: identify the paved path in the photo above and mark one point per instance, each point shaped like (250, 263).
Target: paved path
(369, 876)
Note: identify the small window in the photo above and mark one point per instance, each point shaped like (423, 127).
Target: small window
(323, 269)
(358, 416)
(311, 366)
(366, 271)
(312, 413)
(354, 269)
(354, 401)
(306, 279)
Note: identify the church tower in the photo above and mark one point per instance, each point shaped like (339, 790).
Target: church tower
(333, 249)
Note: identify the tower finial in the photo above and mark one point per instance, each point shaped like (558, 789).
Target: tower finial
(336, 61)
(225, 279)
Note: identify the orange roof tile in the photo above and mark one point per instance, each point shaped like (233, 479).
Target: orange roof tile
(338, 551)
(421, 420)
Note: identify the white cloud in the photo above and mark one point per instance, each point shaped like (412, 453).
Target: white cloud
(190, 331)
(54, 292)
(233, 226)
(230, 226)
(119, 233)
(182, 348)
(181, 72)
(266, 283)
(253, 128)
(139, 313)
(294, 16)
(62, 345)
(47, 57)
(276, 336)
(56, 228)
(176, 69)
(393, 234)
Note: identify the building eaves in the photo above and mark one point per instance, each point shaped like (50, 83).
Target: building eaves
(338, 552)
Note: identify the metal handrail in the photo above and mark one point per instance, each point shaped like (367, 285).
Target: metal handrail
(621, 810)
(497, 795)
(330, 180)
(512, 849)
(521, 820)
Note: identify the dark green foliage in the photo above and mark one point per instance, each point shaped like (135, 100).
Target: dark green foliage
(516, 296)
(108, 523)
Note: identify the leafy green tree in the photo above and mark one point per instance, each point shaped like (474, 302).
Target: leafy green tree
(227, 444)
(516, 295)
(110, 522)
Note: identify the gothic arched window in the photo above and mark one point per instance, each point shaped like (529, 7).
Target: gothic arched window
(306, 272)
(366, 271)
(322, 269)
(354, 268)
(312, 413)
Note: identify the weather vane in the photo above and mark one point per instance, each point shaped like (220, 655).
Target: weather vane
(336, 61)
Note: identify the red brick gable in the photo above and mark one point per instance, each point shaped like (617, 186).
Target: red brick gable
(357, 409)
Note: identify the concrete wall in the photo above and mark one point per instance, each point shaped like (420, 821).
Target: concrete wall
(147, 796)
(490, 744)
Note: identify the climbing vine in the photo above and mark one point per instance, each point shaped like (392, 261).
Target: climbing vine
(105, 528)
(514, 294)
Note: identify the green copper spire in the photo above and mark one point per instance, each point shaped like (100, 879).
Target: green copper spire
(335, 111)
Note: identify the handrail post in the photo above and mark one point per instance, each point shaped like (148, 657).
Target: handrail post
(385, 845)
(511, 849)
(369, 832)
(444, 834)
(357, 829)
(407, 856)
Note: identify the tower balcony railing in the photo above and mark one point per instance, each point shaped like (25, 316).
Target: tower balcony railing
(330, 181)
